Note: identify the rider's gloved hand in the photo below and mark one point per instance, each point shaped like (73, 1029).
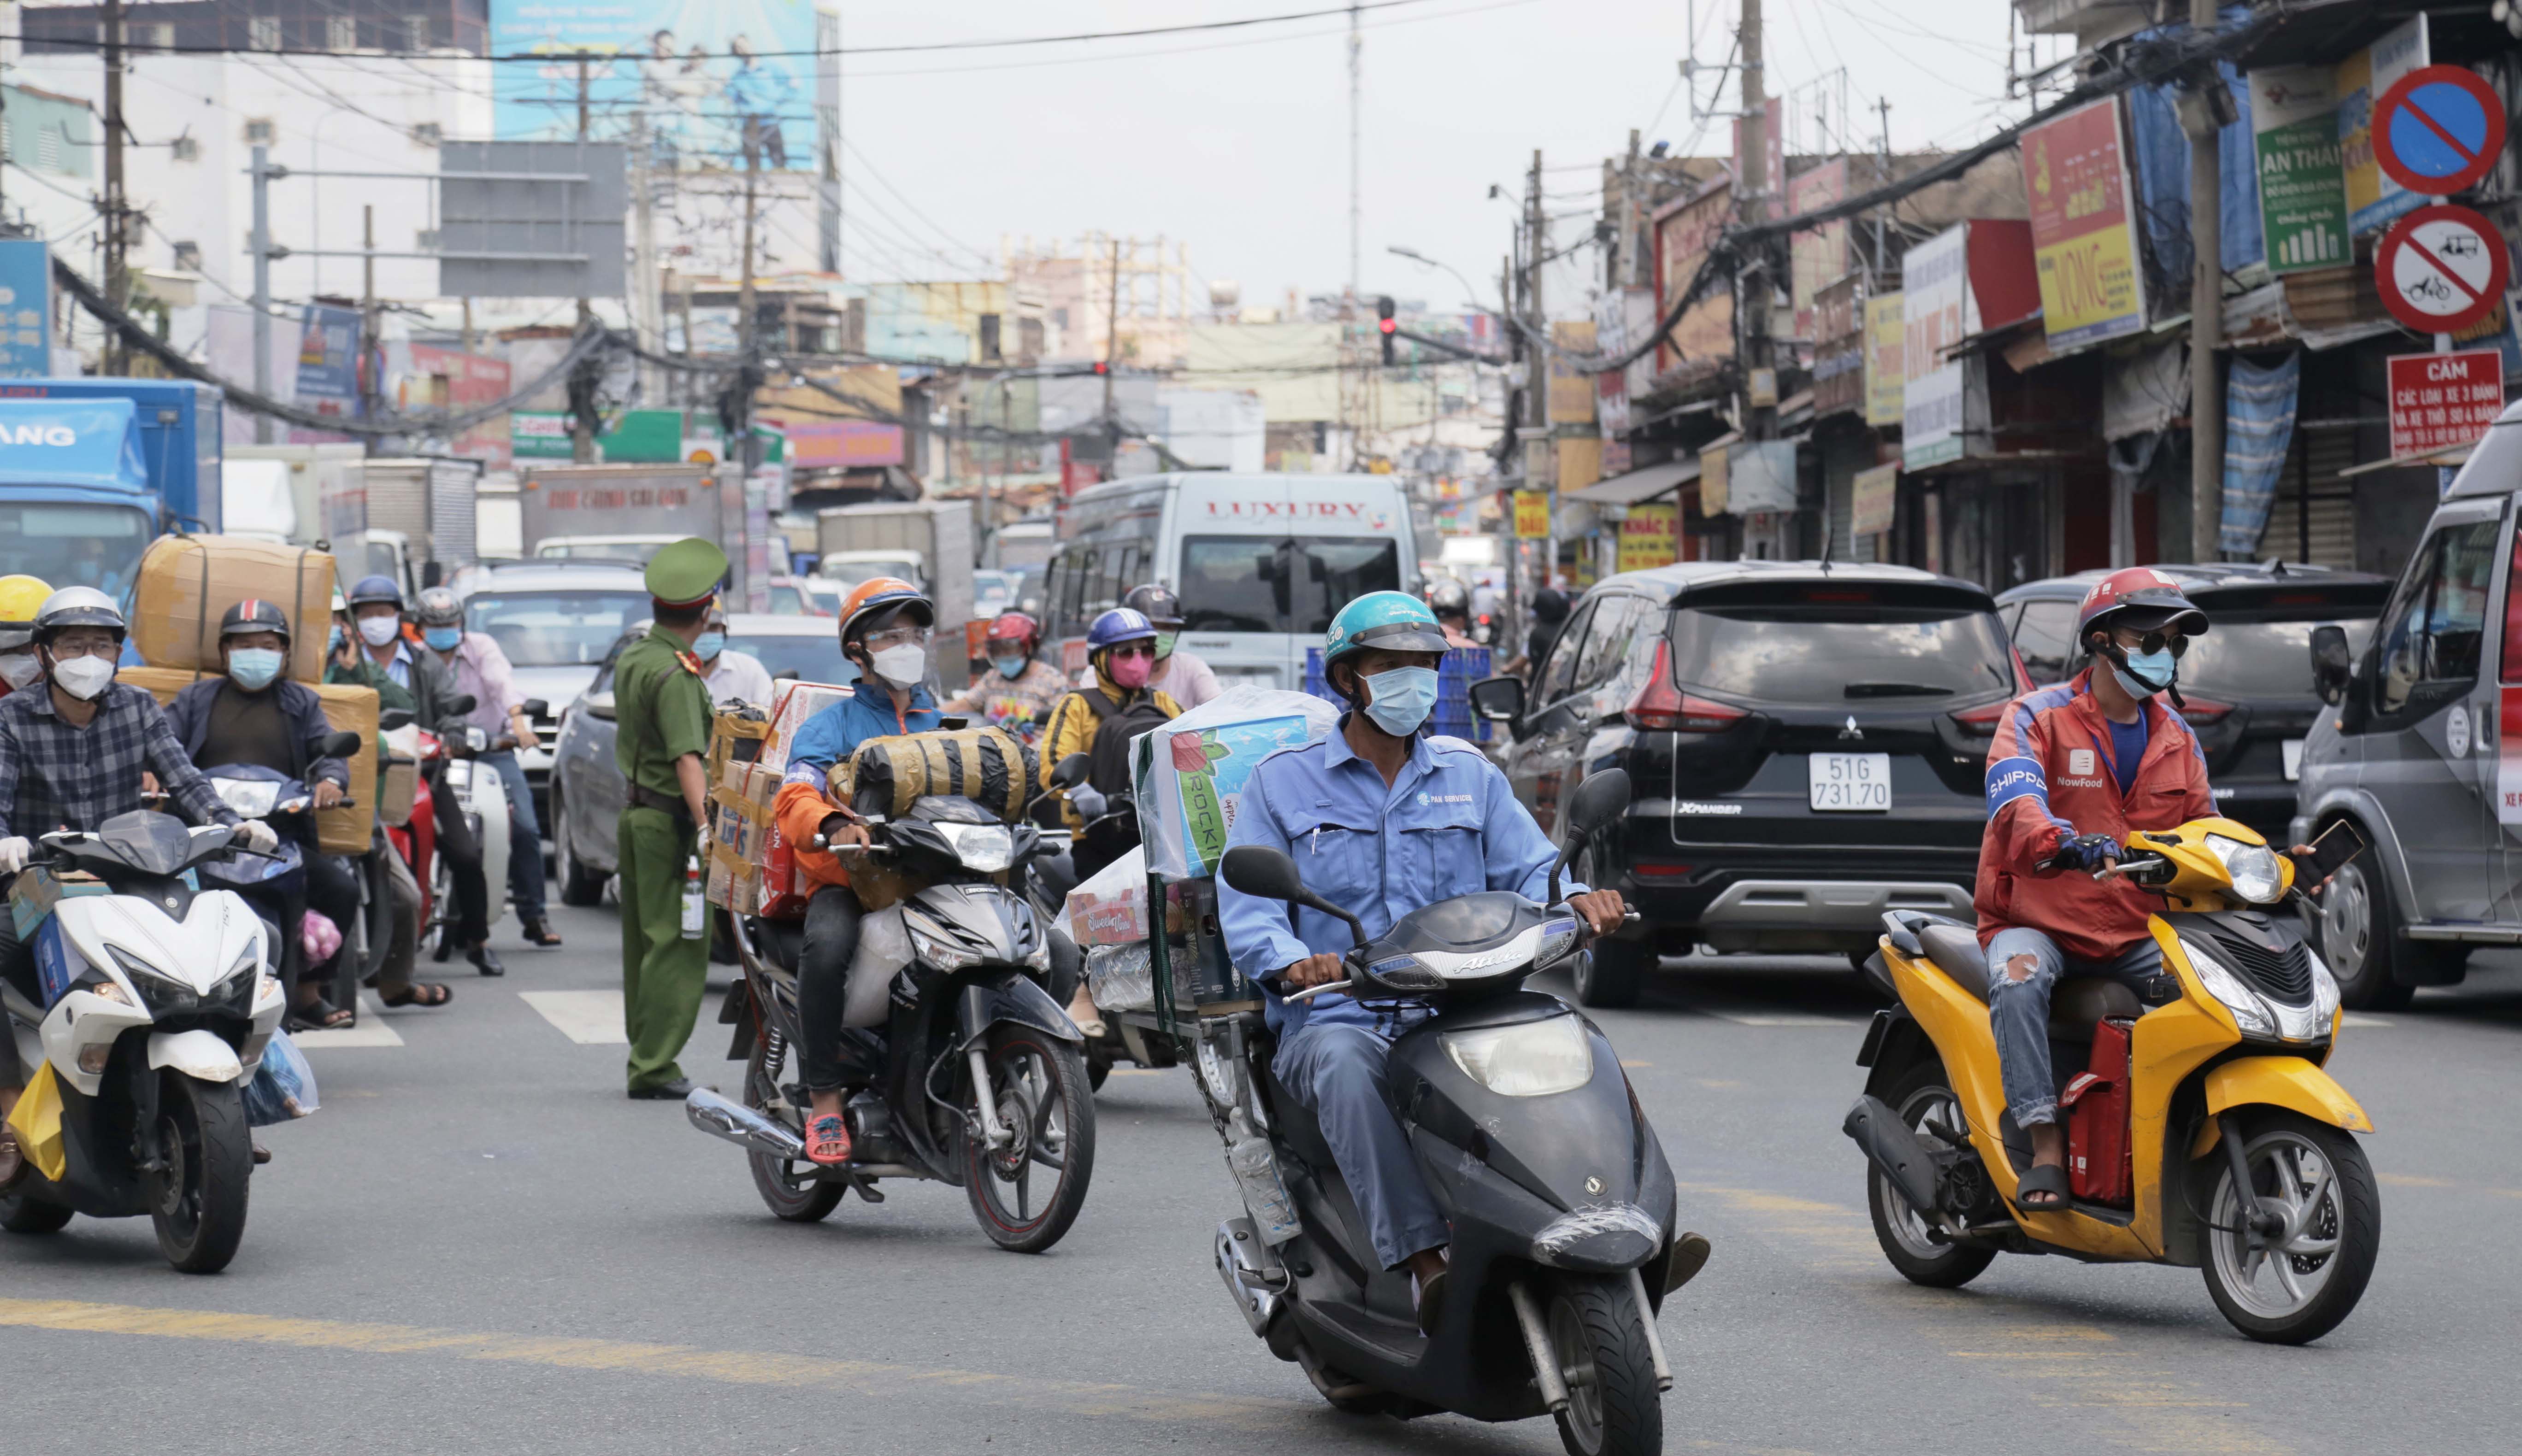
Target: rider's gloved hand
(15, 851)
(2085, 851)
(257, 837)
(1087, 802)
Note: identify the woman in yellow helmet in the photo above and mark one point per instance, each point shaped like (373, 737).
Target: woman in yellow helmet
(20, 597)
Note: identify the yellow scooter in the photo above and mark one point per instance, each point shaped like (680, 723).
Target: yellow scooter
(2202, 1133)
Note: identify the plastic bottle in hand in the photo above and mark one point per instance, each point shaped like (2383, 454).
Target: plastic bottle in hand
(695, 910)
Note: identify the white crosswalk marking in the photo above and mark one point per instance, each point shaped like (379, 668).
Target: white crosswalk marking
(371, 1031)
(588, 1018)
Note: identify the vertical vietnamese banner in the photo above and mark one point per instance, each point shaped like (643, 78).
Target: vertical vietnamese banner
(1936, 314)
(26, 308)
(2303, 189)
(2083, 233)
(1818, 256)
(2373, 200)
(1884, 383)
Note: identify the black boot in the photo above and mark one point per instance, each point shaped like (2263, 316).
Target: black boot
(486, 960)
(540, 932)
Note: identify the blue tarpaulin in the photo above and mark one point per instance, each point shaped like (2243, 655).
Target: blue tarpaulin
(71, 443)
(2161, 163)
(2259, 423)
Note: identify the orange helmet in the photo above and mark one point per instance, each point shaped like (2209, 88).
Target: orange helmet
(878, 597)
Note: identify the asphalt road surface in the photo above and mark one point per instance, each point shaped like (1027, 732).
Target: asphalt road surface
(480, 1246)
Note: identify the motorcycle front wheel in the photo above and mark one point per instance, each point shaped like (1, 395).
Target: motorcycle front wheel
(1614, 1407)
(1027, 1191)
(2315, 1178)
(198, 1197)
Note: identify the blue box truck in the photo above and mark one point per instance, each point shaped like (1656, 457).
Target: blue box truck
(92, 470)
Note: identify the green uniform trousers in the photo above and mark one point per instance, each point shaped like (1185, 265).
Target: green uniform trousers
(663, 975)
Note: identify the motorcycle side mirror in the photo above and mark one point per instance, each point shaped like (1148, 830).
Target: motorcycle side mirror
(1069, 772)
(2331, 663)
(336, 745)
(1499, 700)
(1267, 873)
(394, 718)
(1595, 806)
(536, 707)
(460, 704)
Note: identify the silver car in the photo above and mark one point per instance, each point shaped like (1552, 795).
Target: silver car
(587, 789)
(556, 621)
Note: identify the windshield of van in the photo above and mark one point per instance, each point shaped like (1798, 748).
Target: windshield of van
(71, 545)
(1830, 655)
(554, 629)
(1280, 584)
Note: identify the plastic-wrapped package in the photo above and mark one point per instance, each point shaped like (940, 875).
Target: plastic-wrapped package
(283, 1087)
(1112, 907)
(883, 949)
(1189, 772)
(1121, 977)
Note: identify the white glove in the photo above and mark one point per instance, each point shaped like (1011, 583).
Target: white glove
(14, 853)
(257, 837)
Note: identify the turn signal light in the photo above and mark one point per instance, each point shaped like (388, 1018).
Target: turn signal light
(1661, 707)
(2202, 710)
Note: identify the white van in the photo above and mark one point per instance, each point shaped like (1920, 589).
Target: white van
(1261, 562)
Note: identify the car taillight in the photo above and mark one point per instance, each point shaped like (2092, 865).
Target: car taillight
(1660, 871)
(1982, 719)
(2204, 710)
(1661, 707)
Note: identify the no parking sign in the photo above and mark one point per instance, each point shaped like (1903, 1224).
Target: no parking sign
(2437, 129)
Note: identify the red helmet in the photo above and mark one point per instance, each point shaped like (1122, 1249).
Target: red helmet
(1015, 627)
(2140, 598)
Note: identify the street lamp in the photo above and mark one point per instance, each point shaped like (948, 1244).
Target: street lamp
(1416, 257)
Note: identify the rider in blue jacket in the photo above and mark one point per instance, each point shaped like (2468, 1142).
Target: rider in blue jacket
(1380, 819)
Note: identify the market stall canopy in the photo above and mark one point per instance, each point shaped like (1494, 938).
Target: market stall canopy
(1643, 484)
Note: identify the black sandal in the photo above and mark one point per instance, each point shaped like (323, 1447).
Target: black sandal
(420, 993)
(321, 1015)
(2048, 1178)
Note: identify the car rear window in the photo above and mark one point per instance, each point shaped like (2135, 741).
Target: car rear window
(816, 658)
(1808, 652)
(2265, 656)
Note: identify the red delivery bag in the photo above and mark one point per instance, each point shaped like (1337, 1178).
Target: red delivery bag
(2099, 1167)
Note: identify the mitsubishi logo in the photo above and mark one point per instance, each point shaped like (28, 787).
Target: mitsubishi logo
(1852, 730)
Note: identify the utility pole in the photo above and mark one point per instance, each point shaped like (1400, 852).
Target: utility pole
(262, 175)
(1632, 275)
(1356, 95)
(118, 245)
(748, 313)
(370, 387)
(2206, 315)
(1510, 549)
(1112, 345)
(647, 296)
(1758, 280)
(1536, 373)
(1882, 269)
(582, 440)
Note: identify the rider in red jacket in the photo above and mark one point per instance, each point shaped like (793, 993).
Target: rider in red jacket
(2075, 768)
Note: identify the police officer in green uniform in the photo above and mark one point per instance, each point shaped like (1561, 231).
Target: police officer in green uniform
(661, 711)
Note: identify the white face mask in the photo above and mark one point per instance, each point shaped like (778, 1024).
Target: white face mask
(19, 669)
(83, 678)
(377, 631)
(902, 667)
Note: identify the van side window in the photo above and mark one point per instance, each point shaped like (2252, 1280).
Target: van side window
(2045, 636)
(2437, 624)
(1558, 672)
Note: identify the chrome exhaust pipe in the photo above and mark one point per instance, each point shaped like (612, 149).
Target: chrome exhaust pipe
(741, 1125)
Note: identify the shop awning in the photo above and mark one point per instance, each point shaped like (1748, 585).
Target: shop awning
(1643, 484)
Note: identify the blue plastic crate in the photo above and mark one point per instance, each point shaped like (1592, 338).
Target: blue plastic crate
(1454, 674)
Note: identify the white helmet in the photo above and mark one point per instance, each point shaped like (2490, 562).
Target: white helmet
(77, 607)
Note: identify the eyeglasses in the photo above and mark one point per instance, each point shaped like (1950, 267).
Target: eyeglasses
(2158, 641)
(878, 642)
(1136, 650)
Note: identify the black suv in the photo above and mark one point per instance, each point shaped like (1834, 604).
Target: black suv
(2246, 682)
(1807, 741)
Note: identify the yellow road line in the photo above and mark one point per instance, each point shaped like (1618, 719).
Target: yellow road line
(724, 1367)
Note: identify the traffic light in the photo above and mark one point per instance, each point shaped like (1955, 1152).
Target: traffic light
(1383, 322)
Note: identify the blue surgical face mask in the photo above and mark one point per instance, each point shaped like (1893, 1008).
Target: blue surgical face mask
(253, 668)
(1009, 668)
(708, 645)
(1401, 699)
(442, 639)
(2144, 674)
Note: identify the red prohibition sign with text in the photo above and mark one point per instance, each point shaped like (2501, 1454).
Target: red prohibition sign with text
(2441, 269)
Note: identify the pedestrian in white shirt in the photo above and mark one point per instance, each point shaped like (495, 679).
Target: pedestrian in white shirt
(729, 675)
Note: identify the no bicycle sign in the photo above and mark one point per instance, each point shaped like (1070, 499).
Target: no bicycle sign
(2441, 269)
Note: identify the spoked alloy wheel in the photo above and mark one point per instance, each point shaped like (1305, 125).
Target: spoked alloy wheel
(1918, 1097)
(198, 1197)
(2316, 1179)
(1613, 1408)
(789, 1187)
(1027, 1191)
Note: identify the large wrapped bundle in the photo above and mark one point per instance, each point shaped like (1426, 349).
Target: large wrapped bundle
(989, 766)
(1190, 772)
(187, 583)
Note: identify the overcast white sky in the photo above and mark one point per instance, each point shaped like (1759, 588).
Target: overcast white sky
(1237, 141)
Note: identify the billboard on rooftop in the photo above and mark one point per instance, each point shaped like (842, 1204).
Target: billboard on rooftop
(695, 66)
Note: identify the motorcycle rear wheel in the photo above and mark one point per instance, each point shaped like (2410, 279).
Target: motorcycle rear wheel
(198, 1201)
(1613, 1407)
(1039, 1089)
(791, 1195)
(1918, 1094)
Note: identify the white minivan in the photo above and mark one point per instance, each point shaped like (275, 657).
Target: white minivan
(1261, 562)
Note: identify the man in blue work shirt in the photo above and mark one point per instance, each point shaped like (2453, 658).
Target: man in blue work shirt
(1380, 819)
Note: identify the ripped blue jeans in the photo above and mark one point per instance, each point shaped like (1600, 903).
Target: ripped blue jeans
(2018, 1009)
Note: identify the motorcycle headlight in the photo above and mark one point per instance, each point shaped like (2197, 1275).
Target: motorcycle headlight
(1531, 1059)
(986, 847)
(940, 952)
(2250, 1012)
(2253, 869)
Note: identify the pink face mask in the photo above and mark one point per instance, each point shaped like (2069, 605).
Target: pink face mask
(1131, 671)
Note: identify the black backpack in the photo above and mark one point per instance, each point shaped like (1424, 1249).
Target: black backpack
(1108, 759)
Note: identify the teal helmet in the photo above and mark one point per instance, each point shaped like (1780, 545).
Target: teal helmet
(1389, 621)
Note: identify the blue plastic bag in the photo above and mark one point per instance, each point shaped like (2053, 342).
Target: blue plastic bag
(283, 1087)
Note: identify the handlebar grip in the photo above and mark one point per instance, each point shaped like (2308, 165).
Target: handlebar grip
(1311, 991)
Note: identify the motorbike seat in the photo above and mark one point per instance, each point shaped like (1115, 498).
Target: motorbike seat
(2075, 1005)
(1954, 949)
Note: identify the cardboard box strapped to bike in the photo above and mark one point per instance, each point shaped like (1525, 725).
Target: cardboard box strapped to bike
(187, 583)
(344, 830)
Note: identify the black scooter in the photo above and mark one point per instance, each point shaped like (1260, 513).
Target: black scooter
(1560, 1200)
